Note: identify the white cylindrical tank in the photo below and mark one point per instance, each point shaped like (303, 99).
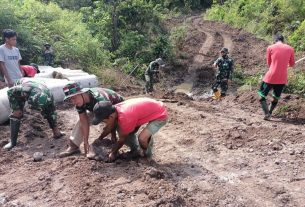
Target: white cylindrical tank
(4, 106)
(88, 81)
(55, 85)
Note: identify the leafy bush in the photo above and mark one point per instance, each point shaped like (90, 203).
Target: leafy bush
(242, 79)
(37, 23)
(296, 83)
(264, 17)
(298, 37)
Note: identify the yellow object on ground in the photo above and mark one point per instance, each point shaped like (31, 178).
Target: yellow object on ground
(216, 95)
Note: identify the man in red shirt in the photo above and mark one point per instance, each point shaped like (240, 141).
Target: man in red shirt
(279, 56)
(127, 117)
(30, 70)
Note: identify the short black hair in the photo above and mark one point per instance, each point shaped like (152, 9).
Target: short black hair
(35, 66)
(279, 37)
(8, 33)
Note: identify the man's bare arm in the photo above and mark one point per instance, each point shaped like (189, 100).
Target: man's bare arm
(106, 130)
(85, 127)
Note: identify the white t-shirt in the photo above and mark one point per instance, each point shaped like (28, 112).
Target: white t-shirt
(11, 58)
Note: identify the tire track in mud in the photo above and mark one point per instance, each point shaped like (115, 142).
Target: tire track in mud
(187, 86)
(228, 43)
(201, 69)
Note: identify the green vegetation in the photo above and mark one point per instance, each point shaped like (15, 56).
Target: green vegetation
(96, 35)
(249, 80)
(37, 23)
(296, 83)
(265, 18)
(285, 109)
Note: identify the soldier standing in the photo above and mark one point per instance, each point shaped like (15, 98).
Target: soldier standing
(151, 74)
(225, 71)
(48, 55)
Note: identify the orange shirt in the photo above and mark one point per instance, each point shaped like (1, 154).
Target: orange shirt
(279, 56)
(138, 111)
(29, 71)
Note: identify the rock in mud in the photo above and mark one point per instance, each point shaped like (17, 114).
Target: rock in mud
(38, 156)
(3, 199)
(154, 173)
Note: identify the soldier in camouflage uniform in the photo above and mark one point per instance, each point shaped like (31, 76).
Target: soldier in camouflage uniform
(39, 98)
(225, 66)
(84, 101)
(48, 55)
(151, 74)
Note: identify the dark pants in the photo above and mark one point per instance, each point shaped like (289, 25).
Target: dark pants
(223, 83)
(149, 86)
(263, 93)
(266, 87)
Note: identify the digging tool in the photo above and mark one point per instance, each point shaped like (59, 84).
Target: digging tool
(303, 58)
(129, 75)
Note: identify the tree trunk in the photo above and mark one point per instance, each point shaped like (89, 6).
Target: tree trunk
(115, 35)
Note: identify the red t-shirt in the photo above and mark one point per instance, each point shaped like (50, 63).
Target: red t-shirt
(138, 111)
(29, 71)
(279, 56)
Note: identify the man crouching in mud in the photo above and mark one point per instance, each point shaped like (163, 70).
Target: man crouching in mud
(39, 97)
(127, 117)
(84, 101)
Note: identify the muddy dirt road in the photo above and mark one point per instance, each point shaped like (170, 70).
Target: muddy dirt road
(211, 153)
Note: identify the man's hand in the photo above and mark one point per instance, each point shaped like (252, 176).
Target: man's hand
(112, 157)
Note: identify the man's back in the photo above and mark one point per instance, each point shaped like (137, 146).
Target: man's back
(29, 71)
(279, 56)
(138, 111)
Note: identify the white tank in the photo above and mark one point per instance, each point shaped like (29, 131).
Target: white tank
(4, 106)
(87, 81)
(55, 85)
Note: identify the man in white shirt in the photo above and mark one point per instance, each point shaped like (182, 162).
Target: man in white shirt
(10, 58)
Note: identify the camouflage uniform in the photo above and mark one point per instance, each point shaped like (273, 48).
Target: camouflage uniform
(38, 97)
(150, 74)
(225, 66)
(96, 95)
(99, 94)
(48, 55)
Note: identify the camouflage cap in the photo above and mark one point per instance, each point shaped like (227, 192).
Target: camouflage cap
(72, 89)
(224, 50)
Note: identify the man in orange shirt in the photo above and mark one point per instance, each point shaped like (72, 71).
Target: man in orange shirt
(279, 56)
(30, 70)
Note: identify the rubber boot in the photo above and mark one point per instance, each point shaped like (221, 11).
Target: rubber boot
(15, 126)
(72, 149)
(148, 152)
(272, 106)
(216, 94)
(265, 109)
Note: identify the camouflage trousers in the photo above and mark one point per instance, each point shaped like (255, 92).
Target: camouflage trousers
(222, 82)
(149, 86)
(48, 110)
